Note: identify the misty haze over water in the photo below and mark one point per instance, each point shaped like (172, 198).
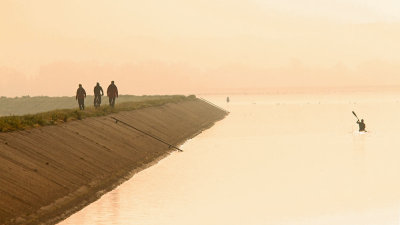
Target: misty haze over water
(276, 159)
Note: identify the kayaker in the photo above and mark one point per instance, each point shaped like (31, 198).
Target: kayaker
(361, 125)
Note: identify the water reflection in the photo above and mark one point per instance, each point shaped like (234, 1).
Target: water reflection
(359, 142)
(296, 162)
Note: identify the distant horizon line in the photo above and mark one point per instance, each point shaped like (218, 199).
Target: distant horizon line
(260, 90)
(304, 89)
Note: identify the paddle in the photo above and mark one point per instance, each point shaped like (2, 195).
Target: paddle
(355, 115)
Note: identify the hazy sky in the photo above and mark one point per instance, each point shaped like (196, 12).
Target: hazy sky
(48, 47)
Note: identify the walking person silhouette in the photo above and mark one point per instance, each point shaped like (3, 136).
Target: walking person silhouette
(80, 96)
(112, 93)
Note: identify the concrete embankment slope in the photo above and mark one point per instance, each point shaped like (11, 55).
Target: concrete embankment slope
(47, 173)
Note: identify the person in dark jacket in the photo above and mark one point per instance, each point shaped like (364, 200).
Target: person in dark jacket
(80, 96)
(112, 93)
(98, 92)
(361, 125)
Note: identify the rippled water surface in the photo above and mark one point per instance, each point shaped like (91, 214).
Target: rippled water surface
(276, 159)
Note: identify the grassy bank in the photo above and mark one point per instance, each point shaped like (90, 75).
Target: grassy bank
(12, 123)
(19, 106)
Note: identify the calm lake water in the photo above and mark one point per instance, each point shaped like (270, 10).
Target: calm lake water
(276, 159)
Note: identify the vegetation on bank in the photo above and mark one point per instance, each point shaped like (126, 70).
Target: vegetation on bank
(19, 106)
(13, 123)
